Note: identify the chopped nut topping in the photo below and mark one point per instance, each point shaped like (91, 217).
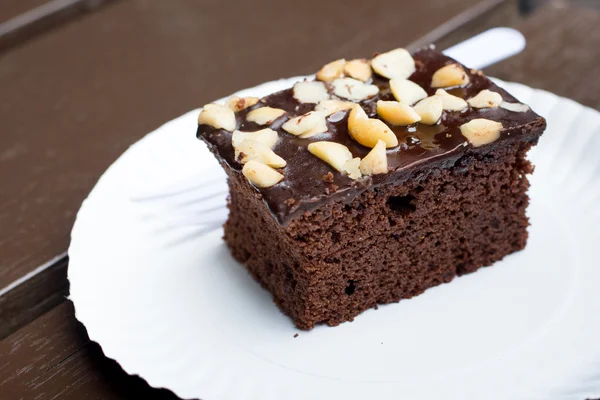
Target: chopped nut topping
(217, 116)
(241, 103)
(451, 102)
(332, 106)
(376, 161)
(368, 131)
(334, 154)
(358, 69)
(481, 131)
(514, 107)
(406, 91)
(261, 175)
(266, 136)
(430, 110)
(449, 76)
(353, 89)
(307, 125)
(310, 92)
(352, 168)
(485, 99)
(332, 70)
(397, 64)
(264, 115)
(396, 113)
(251, 150)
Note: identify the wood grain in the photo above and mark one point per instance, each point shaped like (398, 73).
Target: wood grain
(76, 97)
(52, 358)
(33, 298)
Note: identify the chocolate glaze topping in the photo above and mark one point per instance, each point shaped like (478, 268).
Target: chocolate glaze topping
(310, 182)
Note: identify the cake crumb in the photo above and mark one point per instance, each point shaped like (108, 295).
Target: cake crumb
(290, 202)
(328, 177)
(376, 307)
(296, 335)
(331, 188)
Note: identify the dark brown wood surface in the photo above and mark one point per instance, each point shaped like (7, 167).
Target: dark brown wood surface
(52, 359)
(563, 49)
(556, 65)
(14, 8)
(23, 20)
(73, 98)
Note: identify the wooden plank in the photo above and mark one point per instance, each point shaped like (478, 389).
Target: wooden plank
(37, 349)
(12, 8)
(563, 56)
(52, 358)
(45, 15)
(76, 97)
(27, 301)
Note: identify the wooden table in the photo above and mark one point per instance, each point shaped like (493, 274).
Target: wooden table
(81, 80)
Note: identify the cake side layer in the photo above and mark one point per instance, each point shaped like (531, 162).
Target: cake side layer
(389, 243)
(263, 246)
(307, 182)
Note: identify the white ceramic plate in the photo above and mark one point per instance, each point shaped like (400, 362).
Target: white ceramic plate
(156, 287)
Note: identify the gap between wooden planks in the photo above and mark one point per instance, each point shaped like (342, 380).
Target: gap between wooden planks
(53, 358)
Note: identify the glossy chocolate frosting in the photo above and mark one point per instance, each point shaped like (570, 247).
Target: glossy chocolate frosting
(309, 182)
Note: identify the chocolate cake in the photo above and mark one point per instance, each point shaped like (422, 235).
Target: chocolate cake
(375, 181)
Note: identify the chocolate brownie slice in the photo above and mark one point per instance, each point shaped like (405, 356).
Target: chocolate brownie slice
(373, 182)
